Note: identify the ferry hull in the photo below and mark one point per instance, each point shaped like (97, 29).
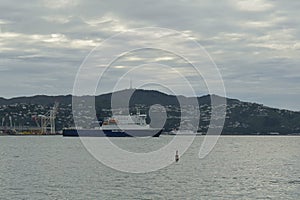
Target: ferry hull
(111, 133)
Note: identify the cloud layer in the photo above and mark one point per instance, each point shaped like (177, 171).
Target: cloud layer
(255, 44)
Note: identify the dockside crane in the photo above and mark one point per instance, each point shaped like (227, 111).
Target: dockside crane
(44, 121)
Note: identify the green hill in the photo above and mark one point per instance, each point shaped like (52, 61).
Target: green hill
(241, 117)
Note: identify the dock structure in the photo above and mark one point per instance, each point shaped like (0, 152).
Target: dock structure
(45, 125)
(44, 121)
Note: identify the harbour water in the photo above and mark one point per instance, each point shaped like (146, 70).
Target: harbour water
(239, 167)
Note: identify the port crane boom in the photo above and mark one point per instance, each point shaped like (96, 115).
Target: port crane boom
(44, 121)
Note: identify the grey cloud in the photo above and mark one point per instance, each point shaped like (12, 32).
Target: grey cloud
(255, 49)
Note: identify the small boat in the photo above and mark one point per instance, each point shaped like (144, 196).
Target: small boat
(183, 132)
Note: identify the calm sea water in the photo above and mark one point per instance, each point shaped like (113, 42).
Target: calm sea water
(238, 168)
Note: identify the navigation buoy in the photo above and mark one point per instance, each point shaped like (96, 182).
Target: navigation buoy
(176, 156)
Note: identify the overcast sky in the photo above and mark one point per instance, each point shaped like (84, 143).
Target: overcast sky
(254, 43)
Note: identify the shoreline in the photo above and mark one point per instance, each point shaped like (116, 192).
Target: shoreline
(198, 135)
